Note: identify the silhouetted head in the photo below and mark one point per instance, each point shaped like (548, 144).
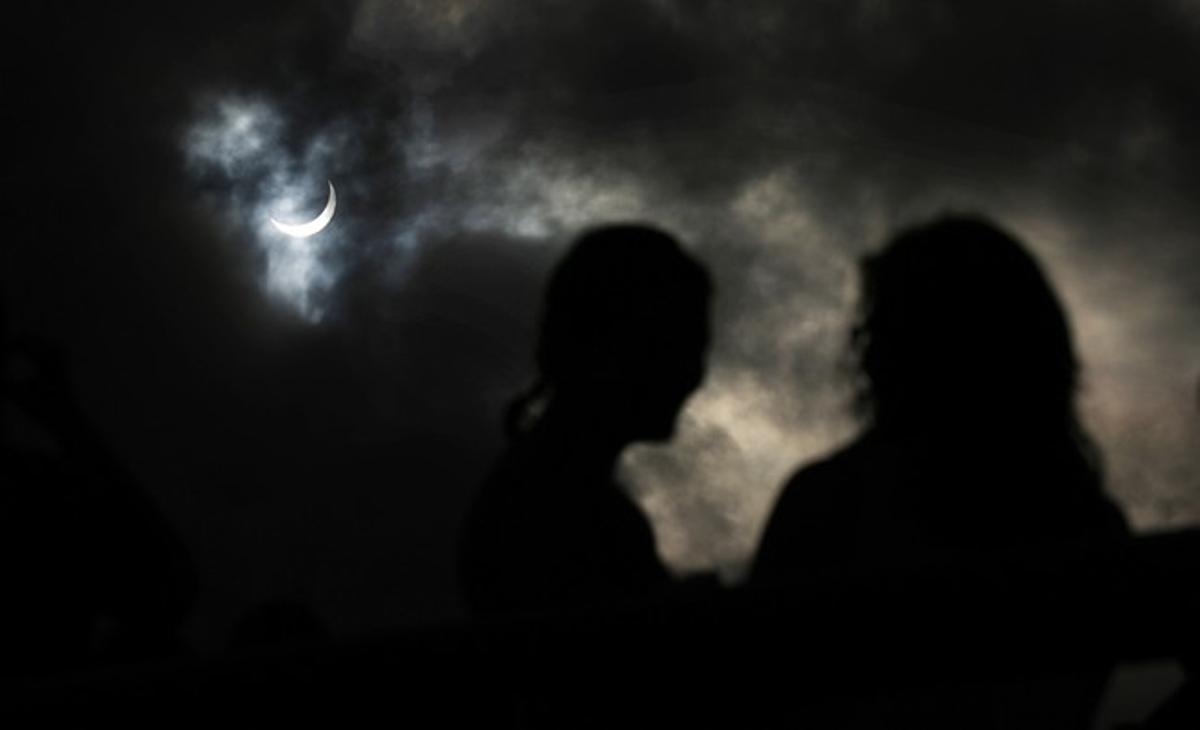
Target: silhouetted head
(960, 331)
(624, 330)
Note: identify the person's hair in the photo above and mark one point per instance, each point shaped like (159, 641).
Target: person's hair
(956, 315)
(619, 289)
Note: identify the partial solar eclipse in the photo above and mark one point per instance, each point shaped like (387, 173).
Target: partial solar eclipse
(314, 226)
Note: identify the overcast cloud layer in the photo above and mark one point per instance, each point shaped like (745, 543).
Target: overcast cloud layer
(314, 416)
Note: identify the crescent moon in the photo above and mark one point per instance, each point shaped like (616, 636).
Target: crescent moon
(314, 226)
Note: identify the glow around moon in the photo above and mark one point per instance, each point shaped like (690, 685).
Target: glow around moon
(313, 227)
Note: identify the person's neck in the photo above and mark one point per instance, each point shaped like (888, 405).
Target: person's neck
(582, 435)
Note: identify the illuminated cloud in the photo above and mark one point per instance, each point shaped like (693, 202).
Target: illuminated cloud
(781, 141)
(240, 142)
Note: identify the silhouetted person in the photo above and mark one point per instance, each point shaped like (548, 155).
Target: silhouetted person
(971, 445)
(621, 347)
(92, 573)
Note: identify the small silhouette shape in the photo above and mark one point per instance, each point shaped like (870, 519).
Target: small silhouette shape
(968, 377)
(93, 573)
(622, 345)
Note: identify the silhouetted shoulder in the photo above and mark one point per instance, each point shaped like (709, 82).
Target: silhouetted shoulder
(544, 535)
(812, 529)
(880, 504)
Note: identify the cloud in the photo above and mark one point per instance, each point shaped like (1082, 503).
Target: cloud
(782, 141)
(469, 141)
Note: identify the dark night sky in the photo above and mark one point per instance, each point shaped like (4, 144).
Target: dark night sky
(313, 417)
